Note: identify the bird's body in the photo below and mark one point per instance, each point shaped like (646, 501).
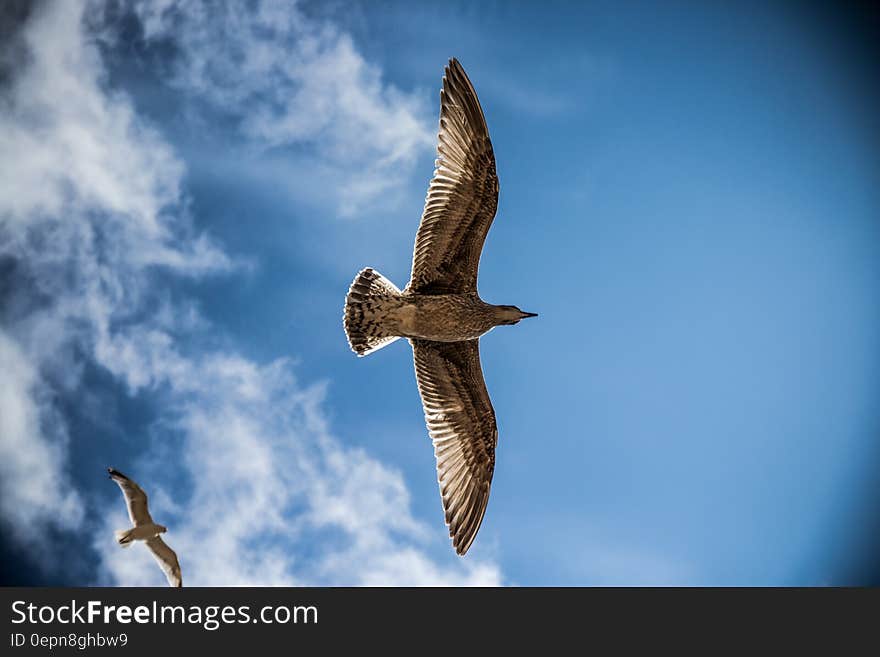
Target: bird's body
(440, 311)
(139, 533)
(440, 317)
(145, 529)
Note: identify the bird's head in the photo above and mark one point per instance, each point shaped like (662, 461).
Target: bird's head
(511, 314)
(162, 528)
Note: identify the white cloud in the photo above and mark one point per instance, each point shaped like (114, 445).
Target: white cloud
(69, 147)
(276, 499)
(34, 489)
(84, 193)
(290, 80)
(92, 210)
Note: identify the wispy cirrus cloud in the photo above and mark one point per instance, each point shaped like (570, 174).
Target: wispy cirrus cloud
(297, 85)
(275, 498)
(90, 203)
(93, 214)
(35, 491)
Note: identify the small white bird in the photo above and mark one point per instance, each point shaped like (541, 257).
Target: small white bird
(145, 529)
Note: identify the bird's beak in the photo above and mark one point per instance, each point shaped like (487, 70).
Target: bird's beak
(529, 314)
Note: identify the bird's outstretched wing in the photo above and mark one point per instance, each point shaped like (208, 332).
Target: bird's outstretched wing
(167, 559)
(462, 425)
(462, 197)
(135, 498)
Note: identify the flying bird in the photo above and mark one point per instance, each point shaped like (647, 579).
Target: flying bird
(440, 311)
(145, 529)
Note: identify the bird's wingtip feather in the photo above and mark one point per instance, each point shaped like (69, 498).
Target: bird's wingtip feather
(113, 472)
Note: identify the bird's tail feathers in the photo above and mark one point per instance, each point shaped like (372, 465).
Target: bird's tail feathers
(362, 323)
(123, 537)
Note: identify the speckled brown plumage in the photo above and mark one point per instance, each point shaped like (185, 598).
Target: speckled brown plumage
(462, 197)
(440, 311)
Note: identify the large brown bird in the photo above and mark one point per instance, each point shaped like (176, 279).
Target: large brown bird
(441, 312)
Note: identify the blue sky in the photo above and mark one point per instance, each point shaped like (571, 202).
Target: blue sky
(688, 199)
